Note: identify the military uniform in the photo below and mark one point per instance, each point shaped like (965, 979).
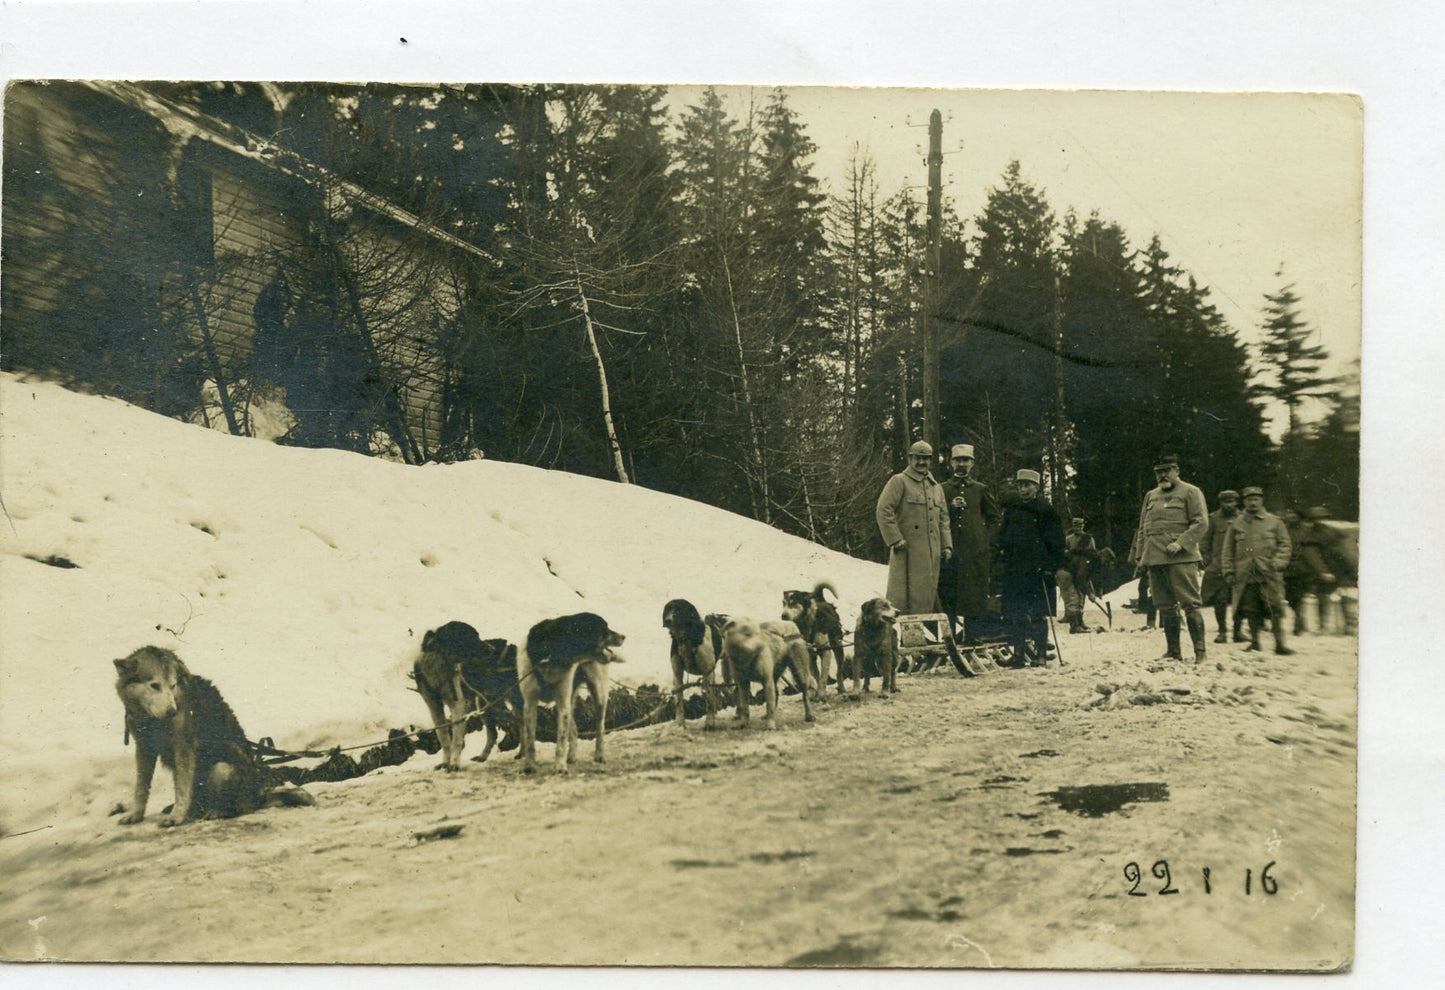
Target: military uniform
(1179, 515)
(911, 508)
(963, 583)
(1074, 577)
(1256, 552)
(1215, 590)
(1031, 548)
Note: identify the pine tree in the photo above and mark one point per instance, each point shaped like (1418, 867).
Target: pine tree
(998, 348)
(1292, 366)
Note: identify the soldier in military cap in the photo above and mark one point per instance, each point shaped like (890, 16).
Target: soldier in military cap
(1031, 547)
(1215, 591)
(1080, 557)
(913, 521)
(1172, 522)
(973, 519)
(1255, 555)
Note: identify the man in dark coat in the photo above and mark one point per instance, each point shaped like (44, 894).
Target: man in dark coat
(1215, 591)
(1172, 521)
(1031, 547)
(973, 518)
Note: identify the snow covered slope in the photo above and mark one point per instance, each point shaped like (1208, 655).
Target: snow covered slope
(301, 581)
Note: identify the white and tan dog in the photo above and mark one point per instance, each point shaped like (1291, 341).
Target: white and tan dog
(761, 653)
(556, 651)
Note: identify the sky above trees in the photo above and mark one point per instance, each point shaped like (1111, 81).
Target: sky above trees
(1237, 186)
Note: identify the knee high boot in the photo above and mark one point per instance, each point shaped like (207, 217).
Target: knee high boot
(1197, 634)
(1219, 617)
(1041, 642)
(1254, 633)
(1277, 624)
(1239, 636)
(1170, 623)
(1019, 641)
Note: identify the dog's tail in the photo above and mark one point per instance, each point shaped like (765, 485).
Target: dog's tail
(822, 586)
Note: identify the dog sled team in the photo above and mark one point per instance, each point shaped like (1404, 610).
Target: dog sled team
(180, 719)
(943, 541)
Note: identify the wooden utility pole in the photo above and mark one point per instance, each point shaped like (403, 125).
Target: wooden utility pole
(930, 279)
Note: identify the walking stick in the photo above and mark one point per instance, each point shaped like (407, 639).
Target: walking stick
(1044, 584)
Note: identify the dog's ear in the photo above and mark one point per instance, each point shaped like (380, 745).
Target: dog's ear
(429, 640)
(125, 666)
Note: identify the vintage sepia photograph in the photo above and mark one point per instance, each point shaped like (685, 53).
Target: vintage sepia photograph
(654, 525)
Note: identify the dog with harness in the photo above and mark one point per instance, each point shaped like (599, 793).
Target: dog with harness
(457, 673)
(761, 652)
(818, 622)
(549, 664)
(695, 649)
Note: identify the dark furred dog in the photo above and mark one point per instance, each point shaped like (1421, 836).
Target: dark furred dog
(695, 650)
(182, 719)
(555, 652)
(875, 646)
(457, 672)
(817, 619)
(761, 653)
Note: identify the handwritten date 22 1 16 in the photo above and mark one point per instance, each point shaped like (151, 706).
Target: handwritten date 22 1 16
(1160, 870)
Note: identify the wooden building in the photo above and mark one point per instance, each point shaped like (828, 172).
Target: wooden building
(140, 233)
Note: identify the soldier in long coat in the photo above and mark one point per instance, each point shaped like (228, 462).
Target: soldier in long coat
(973, 519)
(1215, 591)
(1172, 522)
(913, 520)
(1256, 553)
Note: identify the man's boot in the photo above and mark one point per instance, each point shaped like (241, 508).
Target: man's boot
(1197, 634)
(1076, 622)
(1038, 631)
(1170, 622)
(1279, 645)
(1299, 619)
(1254, 634)
(1239, 636)
(1219, 616)
(1019, 641)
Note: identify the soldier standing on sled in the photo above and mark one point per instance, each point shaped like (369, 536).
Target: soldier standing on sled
(973, 518)
(1172, 521)
(1256, 553)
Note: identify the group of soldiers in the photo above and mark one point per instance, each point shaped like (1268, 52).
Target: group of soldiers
(944, 540)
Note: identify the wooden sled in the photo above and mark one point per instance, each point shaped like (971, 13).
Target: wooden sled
(924, 639)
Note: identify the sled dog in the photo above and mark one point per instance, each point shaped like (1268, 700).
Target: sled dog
(182, 720)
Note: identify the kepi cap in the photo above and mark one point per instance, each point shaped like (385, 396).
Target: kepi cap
(962, 450)
(1228, 493)
(1024, 474)
(1253, 490)
(1078, 521)
(920, 447)
(1318, 512)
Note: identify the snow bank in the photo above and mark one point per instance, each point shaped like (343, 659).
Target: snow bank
(301, 581)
